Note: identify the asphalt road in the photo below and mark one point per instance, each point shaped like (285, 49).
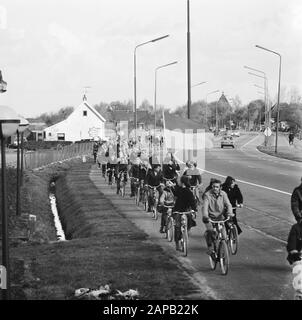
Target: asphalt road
(259, 270)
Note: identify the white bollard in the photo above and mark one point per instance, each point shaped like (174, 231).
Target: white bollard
(84, 158)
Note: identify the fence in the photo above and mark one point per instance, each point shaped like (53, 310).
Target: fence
(41, 158)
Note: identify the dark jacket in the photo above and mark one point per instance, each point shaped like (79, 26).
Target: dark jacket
(296, 202)
(154, 180)
(134, 171)
(169, 171)
(195, 176)
(234, 194)
(294, 242)
(184, 199)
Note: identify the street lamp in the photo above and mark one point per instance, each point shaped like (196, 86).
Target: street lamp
(155, 89)
(278, 101)
(20, 134)
(267, 112)
(207, 103)
(188, 58)
(198, 84)
(139, 45)
(9, 122)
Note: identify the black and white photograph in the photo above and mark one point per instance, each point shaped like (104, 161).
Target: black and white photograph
(151, 153)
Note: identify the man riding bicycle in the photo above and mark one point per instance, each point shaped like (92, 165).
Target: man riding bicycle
(184, 202)
(166, 199)
(216, 205)
(195, 177)
(154, 178)
(170, 168)
(134, 173)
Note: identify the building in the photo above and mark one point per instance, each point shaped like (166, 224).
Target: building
(84, 123)
(36, 130)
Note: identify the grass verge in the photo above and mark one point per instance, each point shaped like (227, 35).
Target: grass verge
(106, 248)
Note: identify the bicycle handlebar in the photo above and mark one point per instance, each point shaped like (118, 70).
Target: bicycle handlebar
(169, 207)
(152, 187)
(219, 222)
(185, 212)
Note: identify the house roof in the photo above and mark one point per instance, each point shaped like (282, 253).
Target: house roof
(173, 122)
(94, 111)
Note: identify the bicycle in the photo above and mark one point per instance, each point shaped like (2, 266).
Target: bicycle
(136, 183)
(221, 249)
(170, 223)
(184, 230)
(154, 203)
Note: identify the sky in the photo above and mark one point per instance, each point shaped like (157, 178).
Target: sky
(51, 49)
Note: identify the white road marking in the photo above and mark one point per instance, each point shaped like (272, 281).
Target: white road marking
(249, 142)
(242, 181)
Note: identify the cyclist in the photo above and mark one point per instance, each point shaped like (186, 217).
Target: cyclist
(154, 178)
(113, 160)
(235, 197)
(166, 198)
(134, 172)
(102, 159)
(294, 243)
(296, 202)
(121, 169)
(215, 203)
(95, 150)
(195, 177)
(184, 202)
(170, 168)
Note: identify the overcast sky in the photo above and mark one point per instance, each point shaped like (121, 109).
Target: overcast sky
(51, 49)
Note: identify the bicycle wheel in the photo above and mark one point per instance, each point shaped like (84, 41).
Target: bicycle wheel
(185, 241)
(137, 196)
(146, 202)
(155, 212)
(170, 229)
(224, 257)
(233, 239)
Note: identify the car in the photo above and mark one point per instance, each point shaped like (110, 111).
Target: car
(227, 141)
(236, 134)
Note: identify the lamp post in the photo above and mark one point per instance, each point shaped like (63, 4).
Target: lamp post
(207, 103)
(20, 134)
(139, 45)
(188, 58)
(155, 89)
(9, 122)
(278, 100)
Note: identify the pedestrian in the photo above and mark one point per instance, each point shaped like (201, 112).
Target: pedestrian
(291, 137)
(296, 202)
(235, 197)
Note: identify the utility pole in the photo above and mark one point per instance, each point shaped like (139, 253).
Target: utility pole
(189, 57)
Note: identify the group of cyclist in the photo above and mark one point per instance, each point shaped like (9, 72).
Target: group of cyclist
(181, 191)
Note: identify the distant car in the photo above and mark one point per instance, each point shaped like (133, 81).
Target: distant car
(227, 141)
(235, 134)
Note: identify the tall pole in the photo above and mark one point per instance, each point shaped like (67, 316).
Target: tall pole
(22, 158)
(135, 118)
(5, 243)
(18, 175)
(216, 116)
(207, 104)
(155, 90)
(278, 100)
(278, 103)
(135, 102)
(189, 57)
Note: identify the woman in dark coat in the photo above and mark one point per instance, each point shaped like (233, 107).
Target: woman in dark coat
(235, 197)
